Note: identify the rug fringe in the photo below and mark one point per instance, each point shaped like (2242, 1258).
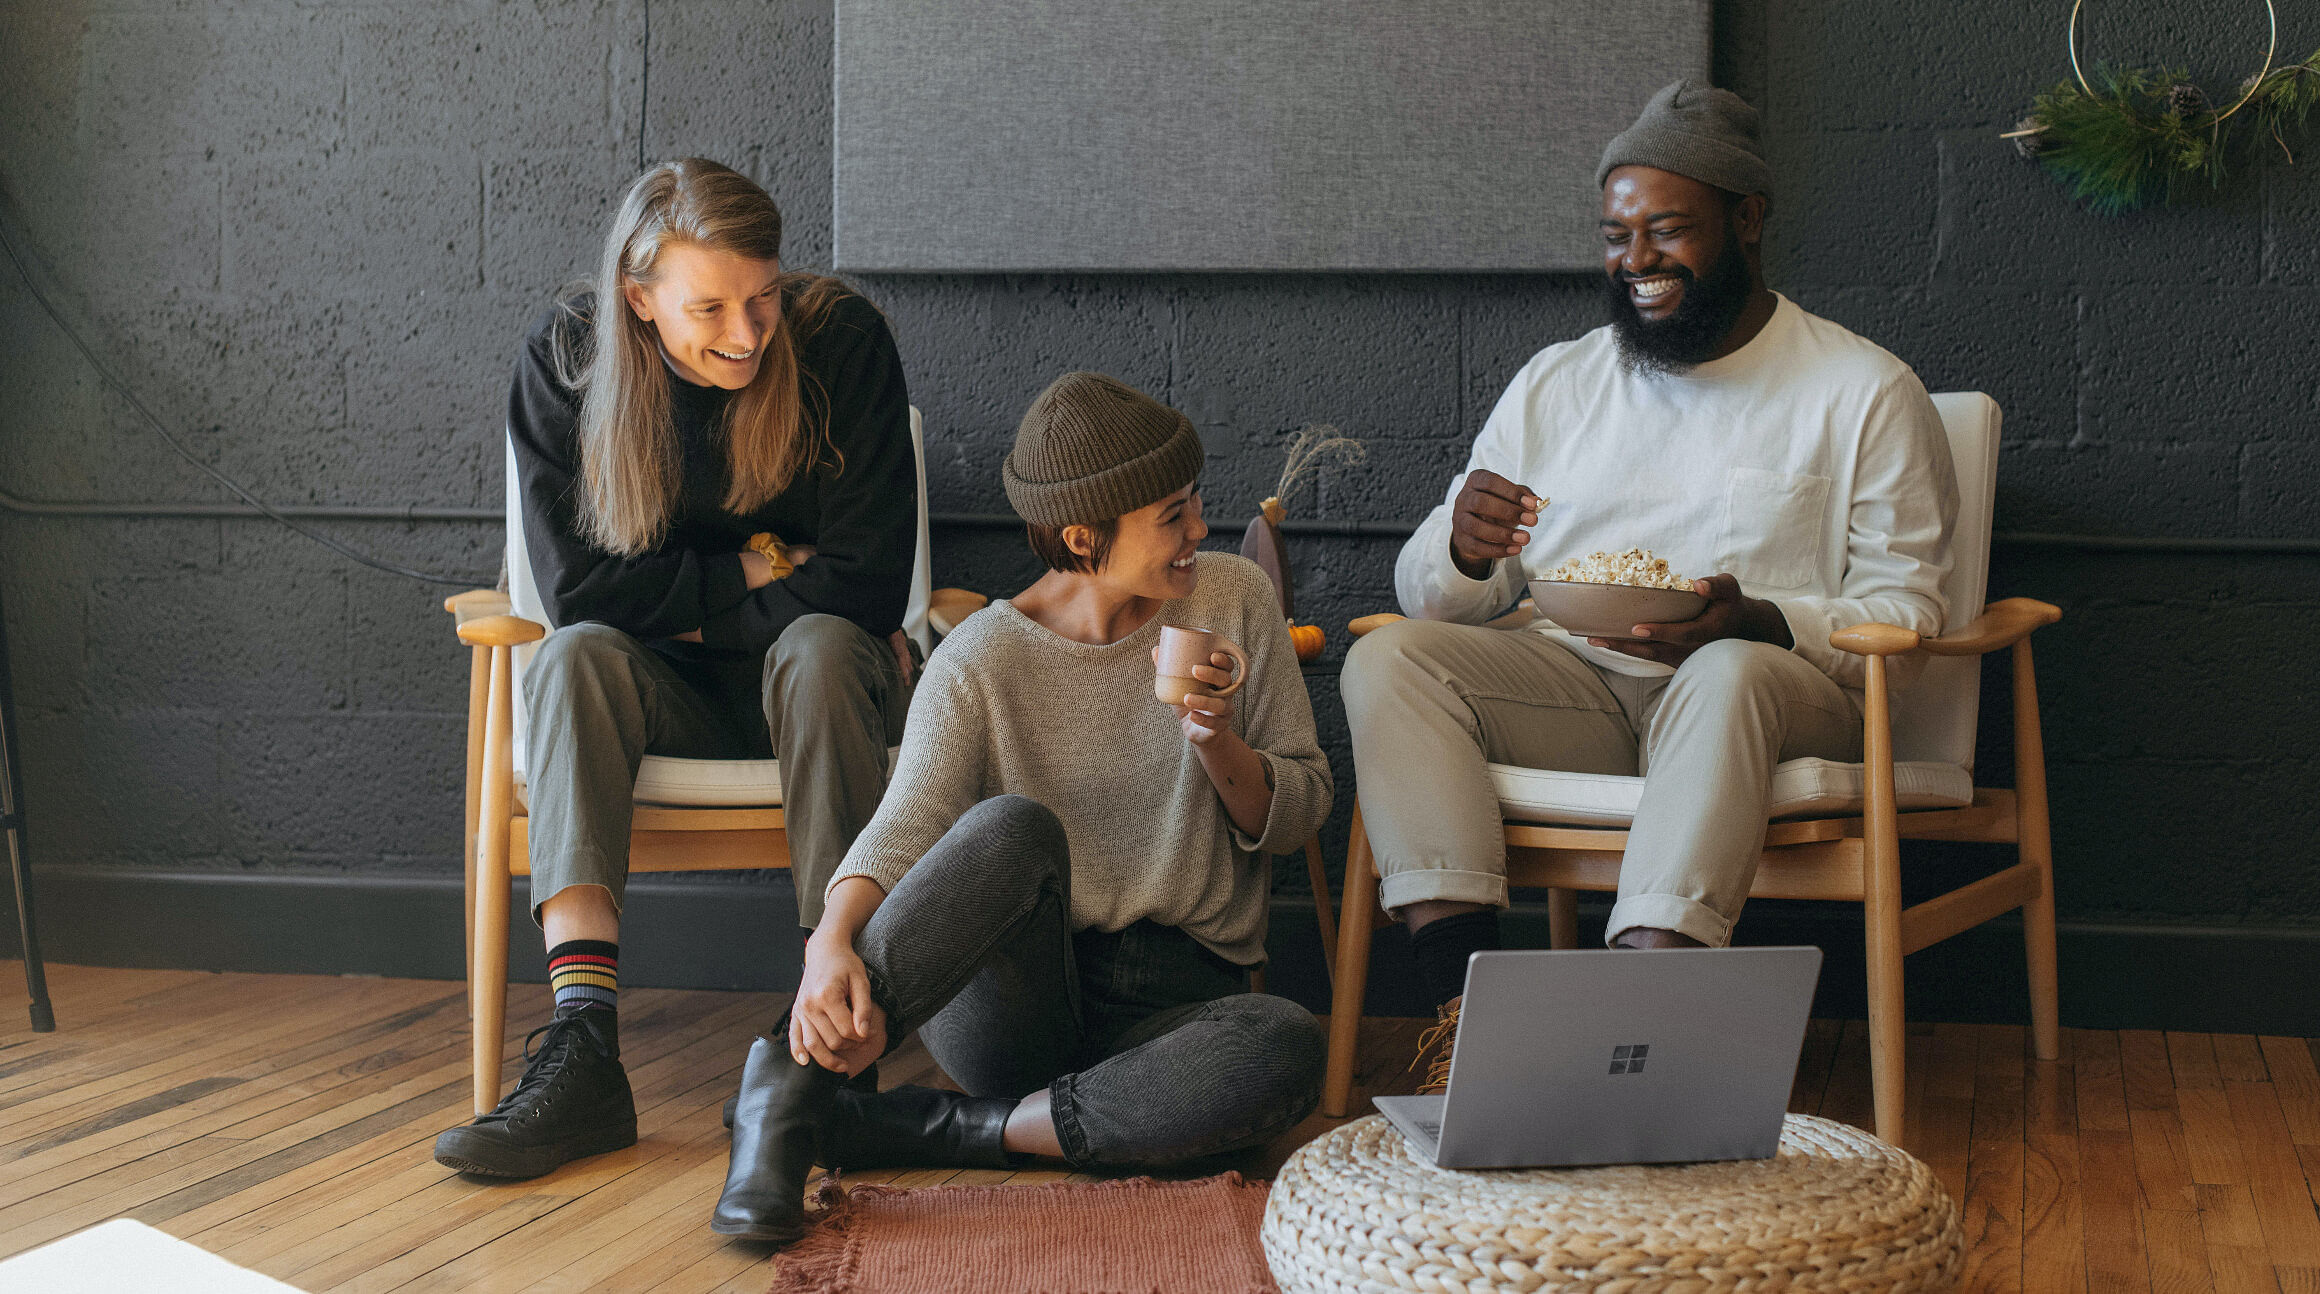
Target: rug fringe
(822, 1260)
(820, 1263)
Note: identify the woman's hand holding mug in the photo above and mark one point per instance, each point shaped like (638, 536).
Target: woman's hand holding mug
(1196, 669)
(1205, 714)
(1191, 662)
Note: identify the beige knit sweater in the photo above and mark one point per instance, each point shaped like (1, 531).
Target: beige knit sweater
(1009, 707)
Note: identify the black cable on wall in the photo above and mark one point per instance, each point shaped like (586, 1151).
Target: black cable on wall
(252, 502)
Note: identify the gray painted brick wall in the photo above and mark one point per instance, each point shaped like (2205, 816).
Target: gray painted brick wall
(311, 233)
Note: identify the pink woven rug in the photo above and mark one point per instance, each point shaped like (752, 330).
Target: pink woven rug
(1136, 1236)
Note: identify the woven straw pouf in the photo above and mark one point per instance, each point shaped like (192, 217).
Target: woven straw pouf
(1836, 1209)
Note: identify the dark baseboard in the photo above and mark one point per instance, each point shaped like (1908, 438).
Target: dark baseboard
(730, 932)
(709, 931)
(2209, 979)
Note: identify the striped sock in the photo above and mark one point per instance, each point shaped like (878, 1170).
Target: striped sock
(584, 973)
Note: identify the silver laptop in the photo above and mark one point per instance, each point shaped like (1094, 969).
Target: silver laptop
(1647, 1056)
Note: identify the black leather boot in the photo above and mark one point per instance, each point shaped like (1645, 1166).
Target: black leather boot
(913, 1127)
(777, 1128)
(924, 1127)
(866, 1081)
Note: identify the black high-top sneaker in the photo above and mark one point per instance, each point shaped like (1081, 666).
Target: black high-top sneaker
(572, 1101)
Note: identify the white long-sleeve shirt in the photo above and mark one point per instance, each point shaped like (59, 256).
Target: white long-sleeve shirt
(1810, 464)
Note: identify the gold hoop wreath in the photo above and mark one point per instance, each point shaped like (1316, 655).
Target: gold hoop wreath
(2125, 139)
(2271, 50)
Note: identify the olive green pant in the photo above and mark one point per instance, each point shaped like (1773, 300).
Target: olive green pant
(827, 699)
(1431, 705)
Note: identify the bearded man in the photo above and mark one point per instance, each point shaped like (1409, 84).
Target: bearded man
(1718, 424)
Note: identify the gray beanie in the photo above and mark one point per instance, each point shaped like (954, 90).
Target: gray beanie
(1708, 134)
(1092, 448)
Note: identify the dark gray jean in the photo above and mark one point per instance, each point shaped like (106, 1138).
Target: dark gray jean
(1149, 1048)
(826, 700)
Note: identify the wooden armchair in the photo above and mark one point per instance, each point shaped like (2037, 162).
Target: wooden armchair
(691, 814)
(1838, 828)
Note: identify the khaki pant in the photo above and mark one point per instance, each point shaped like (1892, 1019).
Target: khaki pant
(1431, 704)
(826, 700)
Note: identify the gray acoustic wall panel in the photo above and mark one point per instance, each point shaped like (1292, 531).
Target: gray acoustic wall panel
(1238, 134)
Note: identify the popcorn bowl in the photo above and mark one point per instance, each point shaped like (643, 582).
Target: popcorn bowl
(1588, 610)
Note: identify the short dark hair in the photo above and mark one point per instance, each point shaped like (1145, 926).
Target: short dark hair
(1047, 543)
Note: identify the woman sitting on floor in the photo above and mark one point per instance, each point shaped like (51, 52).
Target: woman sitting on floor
(1064, 886)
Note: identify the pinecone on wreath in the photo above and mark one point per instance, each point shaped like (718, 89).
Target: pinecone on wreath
(2029, 136)
(2185, 100)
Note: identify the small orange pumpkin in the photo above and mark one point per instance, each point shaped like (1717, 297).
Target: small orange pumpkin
(1307, 639)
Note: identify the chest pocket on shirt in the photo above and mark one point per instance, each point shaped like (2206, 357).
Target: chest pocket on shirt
(1772, 526)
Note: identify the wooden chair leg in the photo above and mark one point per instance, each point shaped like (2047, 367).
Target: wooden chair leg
(1881, 915)
(478, 723)
(487, 977)
(1888, 1018)
(1562, 918)
(1319, 877)
(1358, 920)
(2031, 837)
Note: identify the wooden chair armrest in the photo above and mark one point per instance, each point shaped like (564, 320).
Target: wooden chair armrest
(476, 603)
(2002, 625)
(1875, 639)
(501, 631)
(945, 608)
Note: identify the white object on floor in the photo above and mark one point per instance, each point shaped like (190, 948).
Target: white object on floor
(122, 1255)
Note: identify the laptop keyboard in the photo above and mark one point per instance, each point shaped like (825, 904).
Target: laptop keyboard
(1431, 1127)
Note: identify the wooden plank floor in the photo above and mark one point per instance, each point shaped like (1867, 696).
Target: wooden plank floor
(284, 1122)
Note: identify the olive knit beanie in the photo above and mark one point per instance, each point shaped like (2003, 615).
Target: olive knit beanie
(1708, 134)
(1092, 448)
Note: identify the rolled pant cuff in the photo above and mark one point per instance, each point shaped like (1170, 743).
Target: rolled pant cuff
(1440, 884)
(1063, 1112)
(616, 886)
(1668, 912)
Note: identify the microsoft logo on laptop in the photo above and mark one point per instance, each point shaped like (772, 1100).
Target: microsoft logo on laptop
(1629, 1059)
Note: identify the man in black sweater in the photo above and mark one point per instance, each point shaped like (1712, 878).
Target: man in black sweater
(696, 647)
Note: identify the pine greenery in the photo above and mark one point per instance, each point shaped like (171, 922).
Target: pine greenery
(2146, 137)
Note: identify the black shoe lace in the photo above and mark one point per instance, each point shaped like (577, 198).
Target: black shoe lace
(542, 1066)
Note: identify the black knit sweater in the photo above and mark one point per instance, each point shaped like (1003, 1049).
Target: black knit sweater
(862, 520)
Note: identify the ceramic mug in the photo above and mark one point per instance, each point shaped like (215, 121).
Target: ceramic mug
(1182, 649)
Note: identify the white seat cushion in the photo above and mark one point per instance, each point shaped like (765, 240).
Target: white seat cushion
(708, 783)
(1800, 787)
(722, 783)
